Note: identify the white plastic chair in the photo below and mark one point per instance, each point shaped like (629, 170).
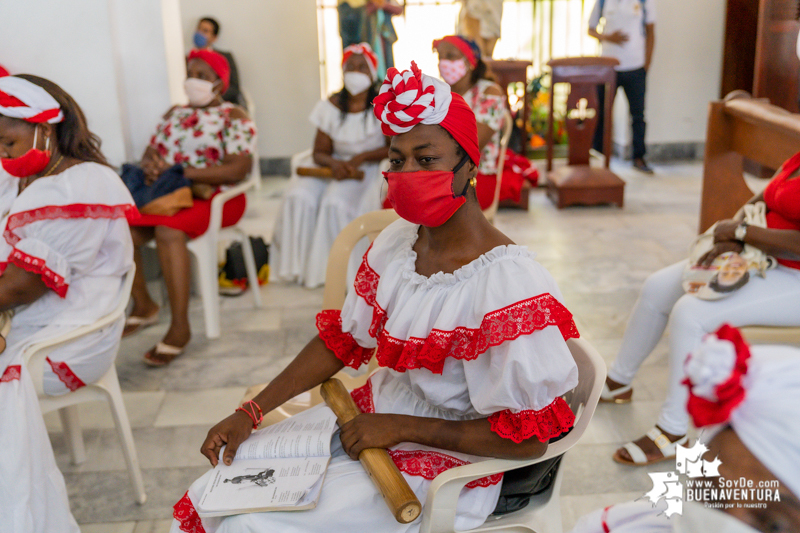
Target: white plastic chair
(771, 334)
(368, 225)
(251, 110)
(105, 389)
(543, 513)
(508, 124)
(204, 249)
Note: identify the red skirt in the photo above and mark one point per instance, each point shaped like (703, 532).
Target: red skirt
(193, 221)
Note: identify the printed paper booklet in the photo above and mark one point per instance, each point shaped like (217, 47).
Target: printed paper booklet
(278, 468)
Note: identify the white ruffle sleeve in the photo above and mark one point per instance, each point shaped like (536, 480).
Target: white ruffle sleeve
(322, 117)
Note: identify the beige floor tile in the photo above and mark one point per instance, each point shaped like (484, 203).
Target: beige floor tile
(198, 408)
(109, 527)
(142, 408)
(153, 526)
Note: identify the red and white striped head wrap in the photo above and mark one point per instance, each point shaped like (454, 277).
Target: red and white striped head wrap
(24, 100)
(365, 50)
(410, 97)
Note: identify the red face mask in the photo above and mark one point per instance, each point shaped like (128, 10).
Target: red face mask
(28, 164)
(425, 197)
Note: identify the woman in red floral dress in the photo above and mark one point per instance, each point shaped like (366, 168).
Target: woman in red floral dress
(213, 140)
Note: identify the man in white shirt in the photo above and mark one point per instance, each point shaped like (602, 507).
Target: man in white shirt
(629, 36)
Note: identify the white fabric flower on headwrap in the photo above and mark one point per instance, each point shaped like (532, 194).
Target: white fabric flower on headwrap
(754, 390)
(22, 99)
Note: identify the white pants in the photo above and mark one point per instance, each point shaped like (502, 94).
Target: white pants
(770, 301)
(312, 214)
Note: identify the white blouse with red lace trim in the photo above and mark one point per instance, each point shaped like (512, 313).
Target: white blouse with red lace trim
(70, 229)
(487, 340)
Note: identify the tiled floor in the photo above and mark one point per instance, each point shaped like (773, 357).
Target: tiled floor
(600, 256)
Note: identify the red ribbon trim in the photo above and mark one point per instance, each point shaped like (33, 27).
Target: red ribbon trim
(544, 424)
(53, 212)
(11, 373)
(65, 374)
(506, 324)
(36, 265)
(186, 515)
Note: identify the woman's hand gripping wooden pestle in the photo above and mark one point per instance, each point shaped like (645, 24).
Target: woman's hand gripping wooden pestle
(402, 501)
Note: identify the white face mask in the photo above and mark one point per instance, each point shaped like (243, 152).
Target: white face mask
(452, 70)
(200, 92)
(356, 82)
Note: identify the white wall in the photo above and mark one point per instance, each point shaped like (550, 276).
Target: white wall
(108, 54)
(275, 48)
(685, 74)
(71, 46)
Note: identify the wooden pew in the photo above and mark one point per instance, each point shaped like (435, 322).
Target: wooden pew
(742, 127)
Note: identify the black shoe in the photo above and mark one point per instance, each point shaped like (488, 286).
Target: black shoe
(642, 166)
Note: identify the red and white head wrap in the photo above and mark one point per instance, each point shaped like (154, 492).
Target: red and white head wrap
(365, 50)
(24, 100)
(754, 390)
(217, 62)
(3, 71)
(410, 97)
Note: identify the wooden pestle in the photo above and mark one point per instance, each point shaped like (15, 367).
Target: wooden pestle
(402, 501)
(323, 172)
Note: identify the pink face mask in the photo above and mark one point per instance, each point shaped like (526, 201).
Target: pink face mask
(452, 70)
(425, 197)
(30, 163)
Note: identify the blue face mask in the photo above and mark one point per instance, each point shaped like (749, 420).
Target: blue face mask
(200, 40)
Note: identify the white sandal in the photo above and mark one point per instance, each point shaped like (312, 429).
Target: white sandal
(662, 442)
(609, 396)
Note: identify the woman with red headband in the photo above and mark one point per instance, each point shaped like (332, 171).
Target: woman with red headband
(213, 141)
(349, 142)
(470, 334)
(461, 66)
(65, 251)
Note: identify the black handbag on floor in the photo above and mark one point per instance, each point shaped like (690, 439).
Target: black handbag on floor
(233, 274)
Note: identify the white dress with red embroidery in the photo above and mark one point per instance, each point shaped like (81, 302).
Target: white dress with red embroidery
(315, 210)
(71, 230)
(487, 341)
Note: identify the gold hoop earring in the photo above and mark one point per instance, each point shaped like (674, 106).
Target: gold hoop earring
(473, 182)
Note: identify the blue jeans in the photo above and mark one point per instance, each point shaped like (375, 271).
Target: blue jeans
(633, 82)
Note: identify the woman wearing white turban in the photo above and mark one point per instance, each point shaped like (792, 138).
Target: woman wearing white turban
(747, 398)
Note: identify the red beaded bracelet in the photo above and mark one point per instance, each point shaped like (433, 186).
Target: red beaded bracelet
(252, 413)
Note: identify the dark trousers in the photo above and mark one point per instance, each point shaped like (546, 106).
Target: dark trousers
(634, 83)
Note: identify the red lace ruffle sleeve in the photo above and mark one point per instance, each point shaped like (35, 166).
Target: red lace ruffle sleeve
(543, 424)
(342, 344)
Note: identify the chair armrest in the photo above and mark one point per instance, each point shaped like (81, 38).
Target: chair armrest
(439, 512)
(299, 157)
(218, 202)
(34, 356)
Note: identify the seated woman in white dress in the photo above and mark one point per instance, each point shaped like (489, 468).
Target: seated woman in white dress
(350, 142)
(66, 247)
(470, 331)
